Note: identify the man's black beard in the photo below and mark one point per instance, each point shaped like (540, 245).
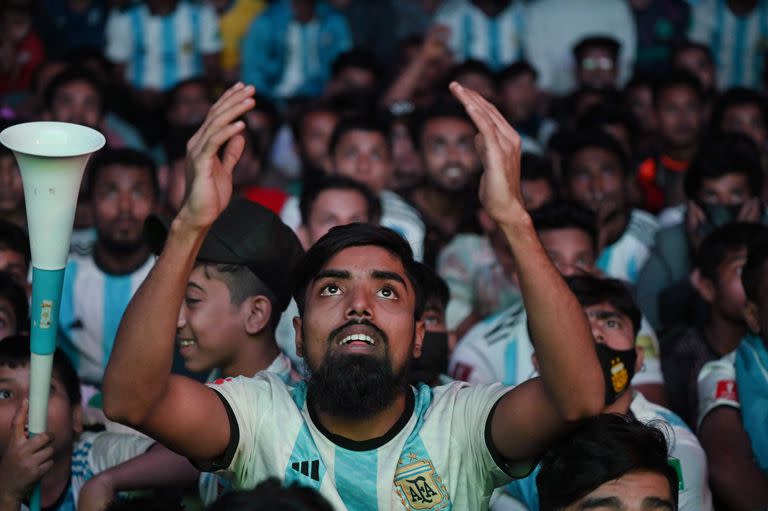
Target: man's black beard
(121, 248)
(355, 386)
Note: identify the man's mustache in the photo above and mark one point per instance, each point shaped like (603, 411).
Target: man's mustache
(358, 322)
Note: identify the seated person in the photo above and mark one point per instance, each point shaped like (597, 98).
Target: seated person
(431, 366)
(14, 307)
(15, 255)
(11, 192)
(733, 393)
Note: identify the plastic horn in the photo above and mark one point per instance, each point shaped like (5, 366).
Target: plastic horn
(52, 158)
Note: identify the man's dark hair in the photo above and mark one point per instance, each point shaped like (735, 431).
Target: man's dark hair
(357, 123)
(17, 297)
(434, 286)
(723, 241)
(73, 73)
(606, 114)
(729, 153)
(264, 105)
(446, 109)
(515, 70)
(307, 110)
(590, 290)
(15, 239)
(676, 79)
(565, 214)
(471, 66)
(123, 156)
(202, 81)
(15, 353)
(534, 167)
(601, 449)
(594, 139)
(641, 79)
(606, 42)
(355, 235)
(310, 194)
(359, 58)
(752, 272)
(271, 494)
(689, 45)
(737, 97)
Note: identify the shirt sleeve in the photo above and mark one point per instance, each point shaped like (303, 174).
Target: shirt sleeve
(649, 343)
(119, 37)
(694, 494)
(210, 36)
(260, 63)
(110, 449)
(717, 387)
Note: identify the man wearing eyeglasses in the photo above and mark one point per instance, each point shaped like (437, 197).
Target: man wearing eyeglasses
(596, 60)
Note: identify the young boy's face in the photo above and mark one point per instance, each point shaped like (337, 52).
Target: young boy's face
(679, 115)
(8, 324)
(729, 292)
(13, 263)
(210, 328)
(365, 157)
(11, 191)
(64, 418)
(571, 250)
(333, 208)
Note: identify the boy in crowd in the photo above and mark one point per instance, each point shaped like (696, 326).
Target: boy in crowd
(732, 400)
(431, 366)
(15, 255)
(597, 62)
(717, 280)
(615, 321)
(11, 190)
(312, 132)
(722, 185)
(499, 349)
(14, 308)
(596, 175)
(63, 458)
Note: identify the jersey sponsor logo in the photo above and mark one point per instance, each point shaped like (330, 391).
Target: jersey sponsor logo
(726, 389)
(419, 486)
(462, 371)
(309, 469)
(221, 381)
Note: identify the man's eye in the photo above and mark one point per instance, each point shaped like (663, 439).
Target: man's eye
(611, 323)
(330, 290)
(5, 394)
(191, 301)
(387, 292)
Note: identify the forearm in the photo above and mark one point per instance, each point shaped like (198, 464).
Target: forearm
(140, 365)
(159, 467)
(404, 86)
(739, 486)
(559, 327)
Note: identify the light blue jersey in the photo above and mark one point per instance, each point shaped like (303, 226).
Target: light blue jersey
(435, 457)
(625, 258)
(92, 305)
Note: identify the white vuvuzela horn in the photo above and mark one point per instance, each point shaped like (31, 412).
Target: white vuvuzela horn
(52, 158)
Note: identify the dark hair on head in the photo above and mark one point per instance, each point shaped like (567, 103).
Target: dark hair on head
(355, 235)
(123, 156)
(516, 69)
(641, 79)
(534, 167)
(153, 502)
(270, 494)
(73, 73)
(565, 214)
(470, 66)
(433, 285)
(356, 57)
(310, 194)
(17, 297)
(445, 109)
(306, 111)
(598, 450)
(606, 114)
(729, 153)
(600, 41)
(264, 105)
(723, 241)
(581, 140)
(15, 353)
(366, 123)
(737, 97)
(15, 239)
(674, 79)
(590, 290)
(688, 45)
(172, 95)
(752, 272)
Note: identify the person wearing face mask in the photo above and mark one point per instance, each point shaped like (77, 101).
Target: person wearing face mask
(615, 321)
(722, 185)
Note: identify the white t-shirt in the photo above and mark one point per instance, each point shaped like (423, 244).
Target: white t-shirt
(499, 349)
(717, 386)
(436, 457)
(625, 258)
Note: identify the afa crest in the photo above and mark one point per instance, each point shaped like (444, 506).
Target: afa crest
(619, 375)
(419, 486)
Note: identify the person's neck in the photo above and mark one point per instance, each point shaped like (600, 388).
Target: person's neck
(121, 263)
(722, 334)
(680, 153)
(359, 430)
(440, 207)
(613, 228)
(621, 405)
(56, 481)
(256, 354)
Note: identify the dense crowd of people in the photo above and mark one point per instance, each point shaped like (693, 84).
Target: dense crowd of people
(396, 254)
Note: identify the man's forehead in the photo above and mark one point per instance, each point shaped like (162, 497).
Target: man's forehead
(604, 308)
(364, 259)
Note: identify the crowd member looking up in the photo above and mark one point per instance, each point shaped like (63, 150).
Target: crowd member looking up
(15, 255)
(359, 327)
(289, 48)
(597, 61)
(732, 415)
(188, 102)
(11, 190)
(518, 95)
(98, 287)
(354, 72)
(615, 321)
(696, 58)
(611, 461)
(312, 132)
(14, 307)
(717, 280)
(722, 185)
(678, 101)
(445, 199)
(596, 174)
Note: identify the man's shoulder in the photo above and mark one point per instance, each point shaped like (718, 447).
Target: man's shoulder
(502, 326)
(394, 205)
(643, 226)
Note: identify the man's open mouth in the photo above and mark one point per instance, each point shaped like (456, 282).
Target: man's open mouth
(357, 338)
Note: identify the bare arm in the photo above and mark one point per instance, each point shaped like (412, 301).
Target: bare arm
(138, 387)
(734, 476)
(571, 384)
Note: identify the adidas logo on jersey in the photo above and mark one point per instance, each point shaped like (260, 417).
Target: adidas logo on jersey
(310, 469)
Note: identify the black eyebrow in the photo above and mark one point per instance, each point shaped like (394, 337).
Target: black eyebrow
(196, 286)
(597, 502)
(332, 274)
(603, 315)
(658, 503)
(388, 275)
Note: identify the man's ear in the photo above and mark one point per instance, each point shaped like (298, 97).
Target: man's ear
(77, 419)
(703, 286)
(752, 316)
(257, 311)
(299, 337)
(418, 338)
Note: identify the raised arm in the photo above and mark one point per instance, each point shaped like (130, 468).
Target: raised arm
(139, 389)
(571, 384)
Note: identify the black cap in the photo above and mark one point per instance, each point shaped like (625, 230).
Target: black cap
(247, 234)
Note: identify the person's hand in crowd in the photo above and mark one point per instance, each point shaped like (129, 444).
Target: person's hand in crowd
(435, 45)
(695, 219)
(25, 461)
(751, 211)
(96, 494)
(209, 169)
(498, 145)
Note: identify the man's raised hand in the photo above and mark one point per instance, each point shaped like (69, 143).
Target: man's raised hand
(209, 176)
(498, 145)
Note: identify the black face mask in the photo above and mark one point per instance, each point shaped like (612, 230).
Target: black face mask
(718, 215)
(433, 360)
(618, 370)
